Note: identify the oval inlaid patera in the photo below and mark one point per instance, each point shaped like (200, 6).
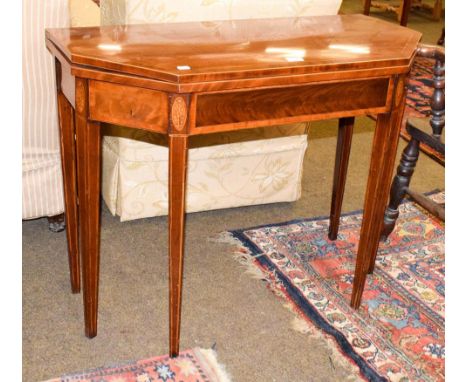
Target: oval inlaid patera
(178, 113)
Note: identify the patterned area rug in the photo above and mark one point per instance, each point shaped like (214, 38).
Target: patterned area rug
(194, 365)
(398, 332)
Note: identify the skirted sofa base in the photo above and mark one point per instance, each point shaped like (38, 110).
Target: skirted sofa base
(225, 170)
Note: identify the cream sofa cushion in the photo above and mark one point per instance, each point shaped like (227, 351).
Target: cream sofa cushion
(150, 11)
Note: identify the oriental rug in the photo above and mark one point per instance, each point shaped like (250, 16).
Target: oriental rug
(398, 332)
(193, 365)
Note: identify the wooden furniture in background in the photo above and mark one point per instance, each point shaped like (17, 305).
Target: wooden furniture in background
(288, 70)
(435, 8)
(427, 131)
(441, 40)
(402, 8)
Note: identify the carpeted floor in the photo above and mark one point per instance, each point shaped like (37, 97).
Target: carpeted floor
(223, 306)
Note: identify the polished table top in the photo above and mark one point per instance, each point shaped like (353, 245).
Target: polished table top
(213, 51)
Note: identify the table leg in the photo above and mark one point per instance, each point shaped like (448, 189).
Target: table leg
(177, 176)
(68, 154)
(404, 11)
(367, 6)
(384, 149)
(343, 148)
(437, 10)
(88, 139)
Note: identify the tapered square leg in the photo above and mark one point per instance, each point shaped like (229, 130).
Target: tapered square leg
(88, 139)
(384, 149)
(177, 177)
(68, 159)
(343, 148)
(68, 154)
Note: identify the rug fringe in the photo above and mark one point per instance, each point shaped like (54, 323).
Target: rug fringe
(218, 369)
(242, 254)
(300, 325)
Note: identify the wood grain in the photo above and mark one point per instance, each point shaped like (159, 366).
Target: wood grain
(88, 140)
(70, 192)
(287, 104)
(384, 148)
(239, 49)
(177, 179)
(67, 83)
(128, 106)
(252, 83)
(343, 149)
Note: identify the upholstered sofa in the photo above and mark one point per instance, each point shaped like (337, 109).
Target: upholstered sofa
(41, 170)
(225, 170)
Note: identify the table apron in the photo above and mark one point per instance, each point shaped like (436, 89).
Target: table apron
(128, 106)
(263, 107)
(148, 109)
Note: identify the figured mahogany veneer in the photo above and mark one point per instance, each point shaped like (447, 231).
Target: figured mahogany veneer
(128, 105)
(185, 79)
(247, 109)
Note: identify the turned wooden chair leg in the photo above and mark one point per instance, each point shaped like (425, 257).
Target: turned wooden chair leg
(343, 148)
(400, 184)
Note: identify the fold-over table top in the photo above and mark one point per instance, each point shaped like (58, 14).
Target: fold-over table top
(242, 49)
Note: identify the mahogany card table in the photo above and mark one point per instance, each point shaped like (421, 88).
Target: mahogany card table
(186, 79)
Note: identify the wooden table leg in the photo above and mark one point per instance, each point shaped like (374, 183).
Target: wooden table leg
(404, 11)
(367, 5)
(437, 10)
(88, 139)
(384, 149)
(68, 154)
(177, 176)
(343, 148)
